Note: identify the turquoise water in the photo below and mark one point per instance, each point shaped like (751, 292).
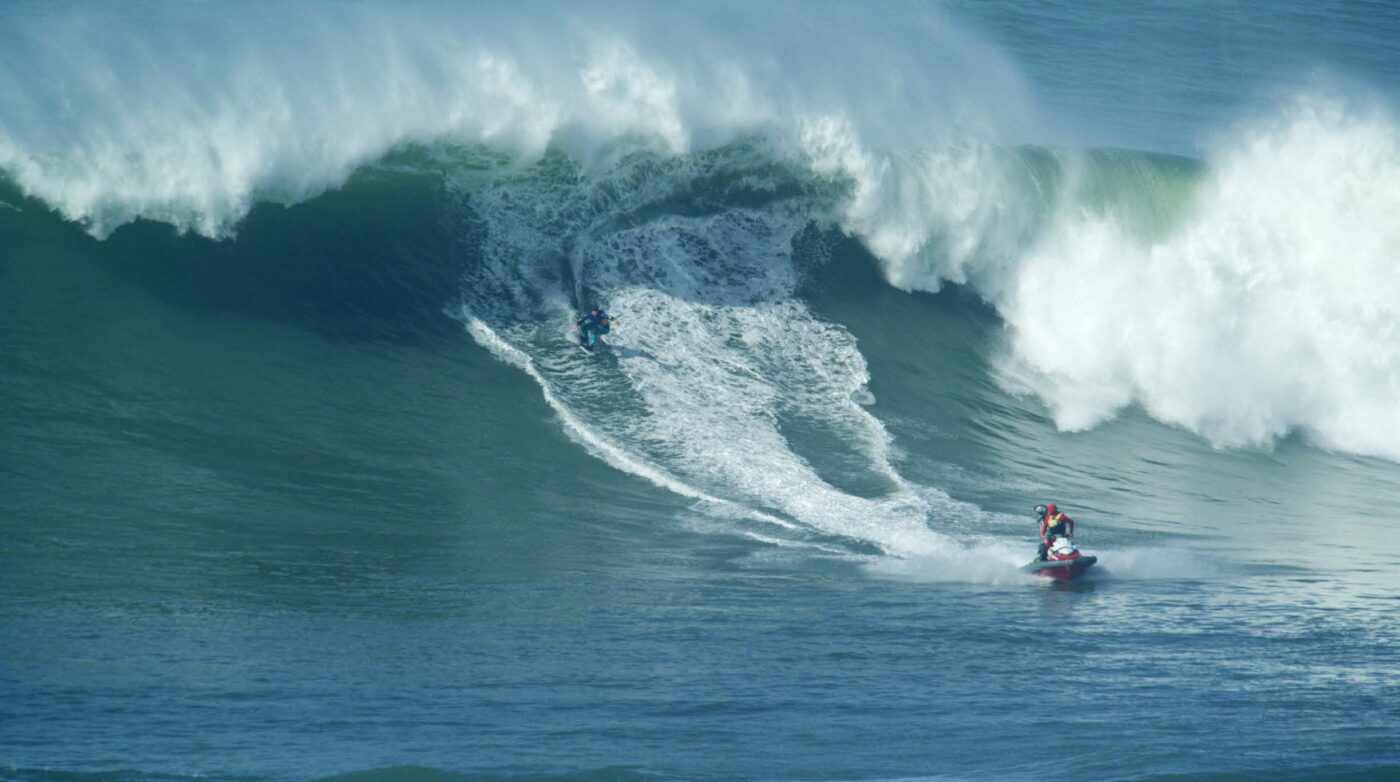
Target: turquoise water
(301, 476)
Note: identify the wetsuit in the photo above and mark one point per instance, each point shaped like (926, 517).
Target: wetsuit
(593, 325)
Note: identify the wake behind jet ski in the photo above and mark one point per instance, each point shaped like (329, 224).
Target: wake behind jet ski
(1058, 557)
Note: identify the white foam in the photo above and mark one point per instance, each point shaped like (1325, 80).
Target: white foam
(957, 212)
(713, 407)
(714, 357)
(1273, 307)
(594, 442)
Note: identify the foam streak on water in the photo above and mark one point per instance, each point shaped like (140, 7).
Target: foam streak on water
(714, 364)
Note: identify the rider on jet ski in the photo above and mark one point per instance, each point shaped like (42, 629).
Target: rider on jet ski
(1053, 524)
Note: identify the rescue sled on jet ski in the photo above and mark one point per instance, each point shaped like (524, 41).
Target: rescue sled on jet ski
(1062, 560)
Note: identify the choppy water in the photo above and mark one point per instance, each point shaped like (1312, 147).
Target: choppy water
(314, 484)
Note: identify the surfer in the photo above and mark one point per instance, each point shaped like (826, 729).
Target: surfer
(1053, 524)
(592, 325)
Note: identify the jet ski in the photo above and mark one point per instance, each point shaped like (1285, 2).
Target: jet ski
(1062, 560)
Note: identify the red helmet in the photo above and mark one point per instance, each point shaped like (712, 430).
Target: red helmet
(1051, 509)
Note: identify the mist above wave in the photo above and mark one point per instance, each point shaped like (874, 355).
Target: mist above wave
(189, 114)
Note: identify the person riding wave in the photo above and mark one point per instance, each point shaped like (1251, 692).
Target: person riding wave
(1053, 524)
(593, 324)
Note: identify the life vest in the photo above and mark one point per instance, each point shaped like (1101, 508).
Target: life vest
(1051, 522)
(591, 322)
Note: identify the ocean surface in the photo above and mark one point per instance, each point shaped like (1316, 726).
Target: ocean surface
(302, 476)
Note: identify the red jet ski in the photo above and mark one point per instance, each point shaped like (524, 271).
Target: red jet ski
(1062, 560)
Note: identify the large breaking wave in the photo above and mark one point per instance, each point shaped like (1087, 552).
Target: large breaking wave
(188, 115)
(1271, 304)
(1245, 298)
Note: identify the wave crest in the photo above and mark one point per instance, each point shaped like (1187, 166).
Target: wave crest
(1273, 306)
(189, 115)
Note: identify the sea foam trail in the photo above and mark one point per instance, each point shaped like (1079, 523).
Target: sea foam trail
(596, 443)
(718, 381)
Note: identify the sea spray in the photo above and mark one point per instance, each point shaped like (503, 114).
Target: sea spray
(1273, 305)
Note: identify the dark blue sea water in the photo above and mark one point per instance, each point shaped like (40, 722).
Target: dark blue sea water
(302, 476)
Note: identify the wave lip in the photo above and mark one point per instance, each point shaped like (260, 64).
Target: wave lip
(188, 115)
(188, 119)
